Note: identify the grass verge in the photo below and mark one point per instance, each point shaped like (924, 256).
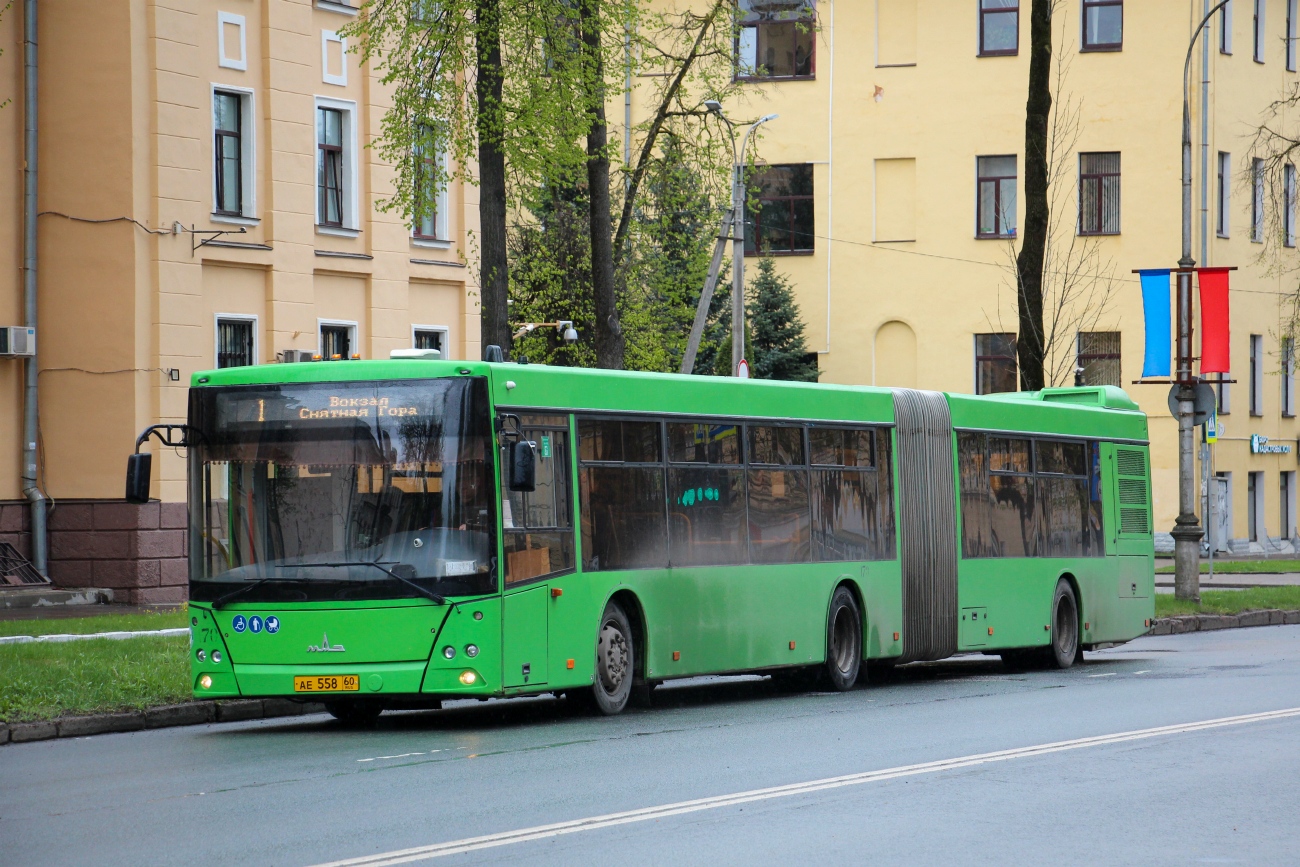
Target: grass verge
(100, 623)
(1242, 567)
(40, 681)
(1230, 601)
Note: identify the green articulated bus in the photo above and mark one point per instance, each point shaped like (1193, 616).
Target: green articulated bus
(389, 534)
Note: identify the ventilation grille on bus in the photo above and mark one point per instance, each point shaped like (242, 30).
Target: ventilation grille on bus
(1130, 462)
(1134, 492)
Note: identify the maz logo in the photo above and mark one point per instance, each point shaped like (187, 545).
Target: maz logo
(325, 646)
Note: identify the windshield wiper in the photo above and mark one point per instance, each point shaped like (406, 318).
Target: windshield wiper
(222, 600)
(427, 594)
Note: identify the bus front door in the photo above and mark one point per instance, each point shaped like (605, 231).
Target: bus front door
(525, 637)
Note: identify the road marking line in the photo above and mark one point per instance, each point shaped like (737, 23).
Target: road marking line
(401, 756)
(90, 636)
(593, 823)
(1107, 674)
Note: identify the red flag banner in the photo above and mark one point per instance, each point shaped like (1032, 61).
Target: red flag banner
(1214, 320)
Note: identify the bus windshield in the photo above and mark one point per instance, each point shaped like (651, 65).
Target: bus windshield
(299, 491)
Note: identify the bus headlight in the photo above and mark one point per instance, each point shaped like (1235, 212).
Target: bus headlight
(449, 652)
(202, 655)
(206, 681)
(468, 678)
(471, 650)
(216, 656)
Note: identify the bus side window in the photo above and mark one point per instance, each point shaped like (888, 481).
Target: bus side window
(621, 485)
(537, 526)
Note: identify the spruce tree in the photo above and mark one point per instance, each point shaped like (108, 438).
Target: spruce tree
(777, 349)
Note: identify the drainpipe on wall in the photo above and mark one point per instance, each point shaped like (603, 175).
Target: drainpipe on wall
(30, 395)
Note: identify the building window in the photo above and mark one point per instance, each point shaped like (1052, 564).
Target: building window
(227, 124)
(776, 44)
(1288, 205)
(1103, 25)
(337, 339)
(236, 342)
(1259, 31)
(1256, 374)
(329, 183)
(995, 208)
(1225, 29)
(1290, 35)
(995, 363)
(430, 190)
(1287, 514)
(1257, 201)
(999, 27)
(1255, 505)
(1223, 194)
(429, 337)
(336, 169)
(232, 153)
(1098, 357)
(1288, 376)
(1099, 194)
(782, 219)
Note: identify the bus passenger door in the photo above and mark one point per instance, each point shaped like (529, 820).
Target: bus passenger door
(524, 629)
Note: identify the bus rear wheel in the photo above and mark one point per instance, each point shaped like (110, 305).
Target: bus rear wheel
(615, 661)
(1064, 650)
(843, 640)
(354, 712)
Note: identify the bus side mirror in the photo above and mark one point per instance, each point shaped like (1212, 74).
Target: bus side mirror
(137, 477)
(523, 466)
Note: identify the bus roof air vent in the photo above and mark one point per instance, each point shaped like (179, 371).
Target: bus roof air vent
(425, 354)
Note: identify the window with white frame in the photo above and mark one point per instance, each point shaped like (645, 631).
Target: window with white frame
(430, 337)
(236, 341)
(1257, 200)
(336, 164)
(995, 205)
(1288, 376)
(1223, 194)
(1256, 374)
(430, 177)
(1288, 205)
(1255, 505)
(1287, 490)
(1259, 30)
(337, 340)
(1291, 13)
(1224, 391)
(233, 153)
(1225, 29)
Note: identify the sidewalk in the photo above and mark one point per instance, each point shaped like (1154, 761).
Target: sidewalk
(1236, 581)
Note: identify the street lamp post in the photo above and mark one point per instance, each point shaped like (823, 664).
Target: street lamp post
(1187, 527)
(737, 235)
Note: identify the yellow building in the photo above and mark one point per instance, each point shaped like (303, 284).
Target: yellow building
(894, 187)
(207, 198)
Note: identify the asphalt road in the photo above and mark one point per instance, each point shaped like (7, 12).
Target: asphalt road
(306, 792)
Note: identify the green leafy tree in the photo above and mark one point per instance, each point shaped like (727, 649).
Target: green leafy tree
(777, 348)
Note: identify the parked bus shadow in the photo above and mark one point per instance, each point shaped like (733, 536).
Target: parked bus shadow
(465, 715)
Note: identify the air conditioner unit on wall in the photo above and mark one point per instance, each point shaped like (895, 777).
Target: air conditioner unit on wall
(292, 356)
(17, 340)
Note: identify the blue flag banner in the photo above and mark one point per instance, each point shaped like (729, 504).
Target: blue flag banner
(1159, 324)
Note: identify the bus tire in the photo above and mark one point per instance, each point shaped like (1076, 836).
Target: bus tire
(615, 661)
(354, 712)
(1064, 649)
(843, 641)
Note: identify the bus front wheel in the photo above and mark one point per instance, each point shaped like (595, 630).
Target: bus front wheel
(615, 661)
(843, 640)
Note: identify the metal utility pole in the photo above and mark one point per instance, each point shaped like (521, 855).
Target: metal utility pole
(738, 251)
(1187, 527)
(706, 296)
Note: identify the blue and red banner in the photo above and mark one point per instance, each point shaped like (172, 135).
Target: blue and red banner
(1159, 324)
(1214, 320)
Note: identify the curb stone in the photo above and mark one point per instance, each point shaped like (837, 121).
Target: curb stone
(1184, 623)
(192, 713)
